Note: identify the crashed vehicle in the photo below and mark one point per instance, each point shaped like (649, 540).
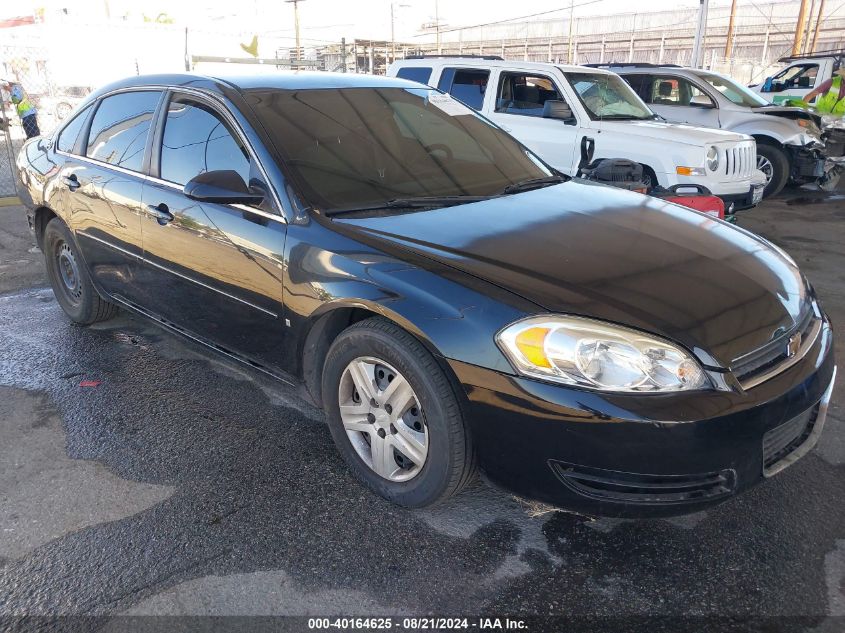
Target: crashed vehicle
(791, 144)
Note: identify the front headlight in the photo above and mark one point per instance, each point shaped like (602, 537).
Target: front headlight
(712, 158)
(597, 355)
(809, 126)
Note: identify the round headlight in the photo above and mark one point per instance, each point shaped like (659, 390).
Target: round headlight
(712, 158)
(597, 355)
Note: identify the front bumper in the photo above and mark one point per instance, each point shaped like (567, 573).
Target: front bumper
(643, 455)
(808, 164)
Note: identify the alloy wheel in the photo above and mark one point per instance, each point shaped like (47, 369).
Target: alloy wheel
(765, 165)
(383, 419)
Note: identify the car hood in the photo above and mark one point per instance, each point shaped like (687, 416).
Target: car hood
(596, 251)
(673, 132)
(787, 112)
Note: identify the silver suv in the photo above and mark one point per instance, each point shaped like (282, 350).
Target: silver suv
(789, 143)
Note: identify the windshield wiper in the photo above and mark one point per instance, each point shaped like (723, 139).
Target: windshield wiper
(418, 202)
(534, 183)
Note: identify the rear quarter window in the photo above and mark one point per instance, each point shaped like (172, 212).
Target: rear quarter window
(67, 137)
(420, 74)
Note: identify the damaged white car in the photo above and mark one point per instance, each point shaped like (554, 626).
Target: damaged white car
(791, 144)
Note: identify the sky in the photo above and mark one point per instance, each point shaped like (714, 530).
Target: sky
(329, 20)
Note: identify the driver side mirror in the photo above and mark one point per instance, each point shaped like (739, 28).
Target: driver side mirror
(224, 186)
(701, 101)
(556, 109)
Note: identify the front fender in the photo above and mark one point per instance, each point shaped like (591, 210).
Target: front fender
(454, 314)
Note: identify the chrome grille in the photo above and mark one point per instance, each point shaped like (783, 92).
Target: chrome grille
(775, 356)
(740, 160)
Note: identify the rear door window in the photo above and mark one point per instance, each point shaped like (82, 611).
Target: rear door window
(526, 94)
(675, 91)
(119, 129)
(67, 137)
(641, 85)
(467, 85)
(420, 74)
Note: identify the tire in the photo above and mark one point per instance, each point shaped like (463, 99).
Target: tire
(779, 161)
(449, 462)
(69, 278)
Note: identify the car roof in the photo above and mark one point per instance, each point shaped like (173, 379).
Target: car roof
(283, 80)
(482, 62)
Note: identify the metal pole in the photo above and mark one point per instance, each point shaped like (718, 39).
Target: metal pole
(729, 37)
(355, 53)
(343, 54)
(818, 23)
(571, 24)
(700, 34)
(392, 34)
(799, 28)
(187, 57)
(631, 48)
(809, 23)
(662, 47)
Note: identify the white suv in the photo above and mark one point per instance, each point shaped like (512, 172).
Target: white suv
(551, 108)
(789, 140)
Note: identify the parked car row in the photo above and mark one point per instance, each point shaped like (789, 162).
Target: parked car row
(449, 297)
(551, 108)
(771, 145)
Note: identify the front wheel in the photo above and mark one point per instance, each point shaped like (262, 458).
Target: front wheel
(70, 280)
(394, 415)
(774, 163)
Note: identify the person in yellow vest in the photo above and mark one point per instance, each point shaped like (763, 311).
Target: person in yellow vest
(26, 111)
(831, 94)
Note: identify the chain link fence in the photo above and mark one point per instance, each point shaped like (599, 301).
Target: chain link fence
(28, 67)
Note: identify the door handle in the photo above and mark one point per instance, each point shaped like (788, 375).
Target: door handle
(160, 212)
(71, 182)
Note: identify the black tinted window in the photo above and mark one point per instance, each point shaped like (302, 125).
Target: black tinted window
(641, 85)
(67, 137)
(119, 128)
(467, 86)
(197, 140)
(360, 147)
(415, 73)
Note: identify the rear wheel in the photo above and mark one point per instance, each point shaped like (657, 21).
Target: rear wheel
(70, 280)
(774, 163)
(394, 415)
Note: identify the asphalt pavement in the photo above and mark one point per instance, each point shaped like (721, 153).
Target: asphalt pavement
(140, 475)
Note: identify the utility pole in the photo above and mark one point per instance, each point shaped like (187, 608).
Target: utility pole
(700, 34)
(392, 34)
(296, 25)
(437, 25)
(571, 21)
(343, 54)
(799, 28)
(818, 23)
(806, 43)
(729, 39)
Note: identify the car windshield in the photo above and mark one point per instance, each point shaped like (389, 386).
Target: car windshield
(608, 96)
(737, 93)
(352, 148)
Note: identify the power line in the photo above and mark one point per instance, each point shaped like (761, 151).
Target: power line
(514, 19)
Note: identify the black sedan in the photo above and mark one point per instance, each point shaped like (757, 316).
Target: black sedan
(446, 297)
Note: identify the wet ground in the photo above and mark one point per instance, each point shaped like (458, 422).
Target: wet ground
(177, 483)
